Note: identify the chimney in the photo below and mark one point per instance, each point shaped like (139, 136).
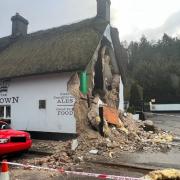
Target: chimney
(19, 25)
(103, 9)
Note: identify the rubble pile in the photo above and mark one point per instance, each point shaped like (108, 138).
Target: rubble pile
(163, 174)
(103, 131)
(91, 145)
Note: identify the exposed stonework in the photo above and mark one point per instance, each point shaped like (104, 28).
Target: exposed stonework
(112, 96)
(73, 86)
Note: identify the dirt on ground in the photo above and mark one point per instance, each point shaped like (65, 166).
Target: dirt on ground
(90, 145)
(33, 174)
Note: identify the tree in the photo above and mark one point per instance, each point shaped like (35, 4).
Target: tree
(156, 68)
(136, 97)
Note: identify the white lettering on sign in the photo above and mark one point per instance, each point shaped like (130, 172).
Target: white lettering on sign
(64, 111)
(64, 104)
(9, 100)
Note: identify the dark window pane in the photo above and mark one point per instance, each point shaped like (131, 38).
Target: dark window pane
(1, 111)
(42, 104)
(8, 111)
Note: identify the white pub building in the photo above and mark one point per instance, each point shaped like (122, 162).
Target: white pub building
(35, 69)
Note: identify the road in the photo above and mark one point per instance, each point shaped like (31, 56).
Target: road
(167, 121)
(170, 159)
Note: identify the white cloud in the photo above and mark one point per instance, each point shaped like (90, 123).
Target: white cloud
(171, 26)
(133, 17)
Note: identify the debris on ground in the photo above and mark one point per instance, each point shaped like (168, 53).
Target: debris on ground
(74, 144)
(112, 116)
(148, 125)
(176, 139)
(91, 145)
(163, 138)
(103, 131)
(163, 174)
(95, 151)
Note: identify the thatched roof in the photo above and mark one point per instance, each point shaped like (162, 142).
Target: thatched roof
(118, 53)
(5, 42)
(66, 48)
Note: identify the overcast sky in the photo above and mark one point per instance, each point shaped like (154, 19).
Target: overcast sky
(132, 17)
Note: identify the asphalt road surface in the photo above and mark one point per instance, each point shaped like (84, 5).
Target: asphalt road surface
(167, 121)
(170, 159)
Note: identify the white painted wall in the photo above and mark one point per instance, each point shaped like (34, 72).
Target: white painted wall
(164, 107)
(107, 33)
(121, 95)
(26, 115)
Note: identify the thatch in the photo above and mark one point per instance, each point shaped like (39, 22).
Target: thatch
(66, 48)
(5, 42)
(118, 53)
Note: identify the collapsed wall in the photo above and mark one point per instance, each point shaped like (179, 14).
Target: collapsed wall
(103, 90)
(98, 119)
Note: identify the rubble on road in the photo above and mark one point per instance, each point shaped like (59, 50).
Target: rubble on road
(163, 174)
(74, 144)
(91, 145)
(95, 151)
(103, 131)
(148, 125)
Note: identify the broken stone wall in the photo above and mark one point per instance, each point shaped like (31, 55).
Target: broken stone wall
(111, 80)
(80, 106)
(86, 107)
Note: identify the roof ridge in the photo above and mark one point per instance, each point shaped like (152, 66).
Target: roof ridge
(64, 48)
(68, 27)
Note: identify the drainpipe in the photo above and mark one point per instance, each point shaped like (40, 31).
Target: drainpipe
(83, 82)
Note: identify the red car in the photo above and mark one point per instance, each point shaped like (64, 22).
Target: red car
(12, 141)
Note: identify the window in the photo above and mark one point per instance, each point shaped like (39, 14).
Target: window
(5, 112)
(42, 104)
(1, 111)
(8, 111)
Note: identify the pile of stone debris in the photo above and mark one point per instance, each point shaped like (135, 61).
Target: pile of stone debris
(131, 136)
(103, 132)
(163, 174)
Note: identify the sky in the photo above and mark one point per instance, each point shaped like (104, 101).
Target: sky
(133, 18)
